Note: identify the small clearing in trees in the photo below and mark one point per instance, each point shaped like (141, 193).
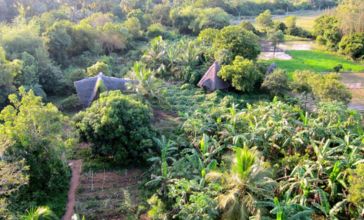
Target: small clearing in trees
(108, 195)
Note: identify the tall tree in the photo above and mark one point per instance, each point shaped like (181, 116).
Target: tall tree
(350, 14)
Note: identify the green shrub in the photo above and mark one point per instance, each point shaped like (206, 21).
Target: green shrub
(324, 87)
(243, 74)
(118, 126)
(276, 83)
(239, 41)
(97, 68)
(157, 29)
(34, 133)
(352, 46)
(70, 103)
(356, 189)
(327, 31)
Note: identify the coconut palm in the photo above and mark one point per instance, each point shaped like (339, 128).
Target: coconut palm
(248, 182)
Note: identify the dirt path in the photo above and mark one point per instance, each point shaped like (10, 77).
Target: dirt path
(75, 181)
(355, 83)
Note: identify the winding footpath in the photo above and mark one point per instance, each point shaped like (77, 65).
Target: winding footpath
(76, 166)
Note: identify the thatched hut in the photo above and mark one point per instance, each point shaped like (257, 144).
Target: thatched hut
(88, 88)
(211, 81)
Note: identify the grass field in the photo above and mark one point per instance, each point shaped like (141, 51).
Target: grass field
(305, 19)
(317, 61)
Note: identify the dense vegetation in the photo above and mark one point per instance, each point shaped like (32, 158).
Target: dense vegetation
(279, 144)
(341, 31)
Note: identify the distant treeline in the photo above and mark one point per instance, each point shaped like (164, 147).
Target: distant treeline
(9, 9)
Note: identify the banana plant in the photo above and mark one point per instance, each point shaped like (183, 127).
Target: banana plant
(286, 210)
(40, 213)
(167, 156)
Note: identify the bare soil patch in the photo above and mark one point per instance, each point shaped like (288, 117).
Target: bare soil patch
(268, 52)
(108, 195)
(355, 83)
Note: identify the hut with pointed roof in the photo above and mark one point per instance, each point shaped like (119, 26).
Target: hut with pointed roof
(87, 89)
(211, 81)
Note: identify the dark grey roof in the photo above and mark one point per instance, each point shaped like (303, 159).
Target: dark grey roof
(87, 88)
(211, 81)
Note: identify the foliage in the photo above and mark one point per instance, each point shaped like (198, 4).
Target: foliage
(243, 74)
(40, 213)
(192, 20)
(327, 31)
(70, 103)
(179, 60)
(8, 71)
(29, 135)
(23, 41)
(356, 190)
(99, 67)
(352, 46)
(276, 83)
(247, 183)
(265, 21)
(324, 87)
(157, 29)
(275, 37)
(129, 118)
(349, 13)
(238, 41)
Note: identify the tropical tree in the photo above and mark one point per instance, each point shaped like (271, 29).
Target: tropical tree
(27, 133)
(243, 74)
(247, 182)
(238, 41)
(265, 21)
(276, 83)
(275, 37)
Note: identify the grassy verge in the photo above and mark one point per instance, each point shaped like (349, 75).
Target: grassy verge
(295, 38)
(317, 61)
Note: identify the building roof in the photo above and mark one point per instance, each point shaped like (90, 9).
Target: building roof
(211, 81)
(87, 88)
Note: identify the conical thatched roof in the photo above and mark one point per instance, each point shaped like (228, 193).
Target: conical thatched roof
(211, 81)
(87, 88)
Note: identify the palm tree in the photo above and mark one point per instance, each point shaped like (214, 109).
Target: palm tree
(247, 183)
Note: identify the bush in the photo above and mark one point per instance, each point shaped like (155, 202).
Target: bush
(243, 74)
(352, 46)
(239, 41)
(157, 29)
(98, 67)
(324, 87)
(34, 133)
(276, 83)
(327, 31)
(249, 27)
(118, 126)
(70, 103)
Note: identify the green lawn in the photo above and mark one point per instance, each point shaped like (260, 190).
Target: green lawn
(305, 19)
(317, 61)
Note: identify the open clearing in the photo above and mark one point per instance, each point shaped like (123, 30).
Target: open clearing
(108, 195)
(280, 54)
(355, 82)
(305, 19)
(316, 61)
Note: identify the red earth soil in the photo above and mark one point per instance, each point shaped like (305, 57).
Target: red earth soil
(75, 180)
